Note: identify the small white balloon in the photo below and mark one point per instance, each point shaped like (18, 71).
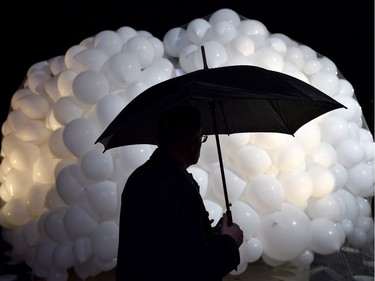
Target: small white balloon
(253, 250)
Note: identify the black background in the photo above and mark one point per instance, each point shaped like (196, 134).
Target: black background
(34, 31)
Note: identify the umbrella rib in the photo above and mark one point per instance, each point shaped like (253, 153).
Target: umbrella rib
(279, 113)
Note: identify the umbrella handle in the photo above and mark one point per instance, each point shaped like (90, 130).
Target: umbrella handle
(227, 203)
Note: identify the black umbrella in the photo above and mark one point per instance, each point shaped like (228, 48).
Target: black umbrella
(232, 99)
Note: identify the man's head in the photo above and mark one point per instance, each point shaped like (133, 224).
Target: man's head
(180, 132)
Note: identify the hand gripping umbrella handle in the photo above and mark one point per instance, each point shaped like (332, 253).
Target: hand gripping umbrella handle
(227, 203)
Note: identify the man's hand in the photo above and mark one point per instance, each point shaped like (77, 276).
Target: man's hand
(233, 230)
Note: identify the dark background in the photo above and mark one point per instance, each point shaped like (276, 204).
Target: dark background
(34, 31)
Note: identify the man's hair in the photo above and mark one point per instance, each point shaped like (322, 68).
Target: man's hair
(177, 123)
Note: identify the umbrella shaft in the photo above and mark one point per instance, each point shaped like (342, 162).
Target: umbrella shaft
(227, 203)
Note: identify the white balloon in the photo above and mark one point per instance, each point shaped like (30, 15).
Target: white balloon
(82, 249)
(141, 48)
(102, 197)
(88, 59)
(334, 129)
(54, 225)
(31, 233)
(104, 240)
(126, 32)
(361, 180)
(225, 15)
(96, 165)
(325, 207)
(123, 68)
(78, 222)
(222, 31)
(298, 187)
(90, 86)
(63, 257)
(14, 213)
(323, 179)
(305, 259)
(323, 154)
(349, 153)
(24, 156)
(43, 253)
(252, 161)
(33, 106)
(216, 55)
(265, 194)
(285, 234)
(69, 185)
(108, 41)
(235, 184)
(308, 136)
(65, 82)
(290, 156)
(79, 136)
(327, 82)
(325, 236)
(253, 250)
(196, 30)
(246, 217)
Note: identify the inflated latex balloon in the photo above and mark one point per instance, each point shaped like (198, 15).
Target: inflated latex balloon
(285, 234)
(292, 196)
(325, 236)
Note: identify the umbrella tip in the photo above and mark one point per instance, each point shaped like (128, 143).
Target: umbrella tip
(204, 58)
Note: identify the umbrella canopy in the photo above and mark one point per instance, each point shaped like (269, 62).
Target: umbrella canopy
(247, 99)
(231, 99)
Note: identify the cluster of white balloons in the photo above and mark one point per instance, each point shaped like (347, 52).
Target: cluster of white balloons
(292, 196)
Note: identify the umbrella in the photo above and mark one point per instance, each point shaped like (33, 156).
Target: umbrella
(231, 99)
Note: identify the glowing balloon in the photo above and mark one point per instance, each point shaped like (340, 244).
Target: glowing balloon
(323, 179)
(298, 187)
(252, 161)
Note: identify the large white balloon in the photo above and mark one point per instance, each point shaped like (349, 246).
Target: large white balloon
(285, 234)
